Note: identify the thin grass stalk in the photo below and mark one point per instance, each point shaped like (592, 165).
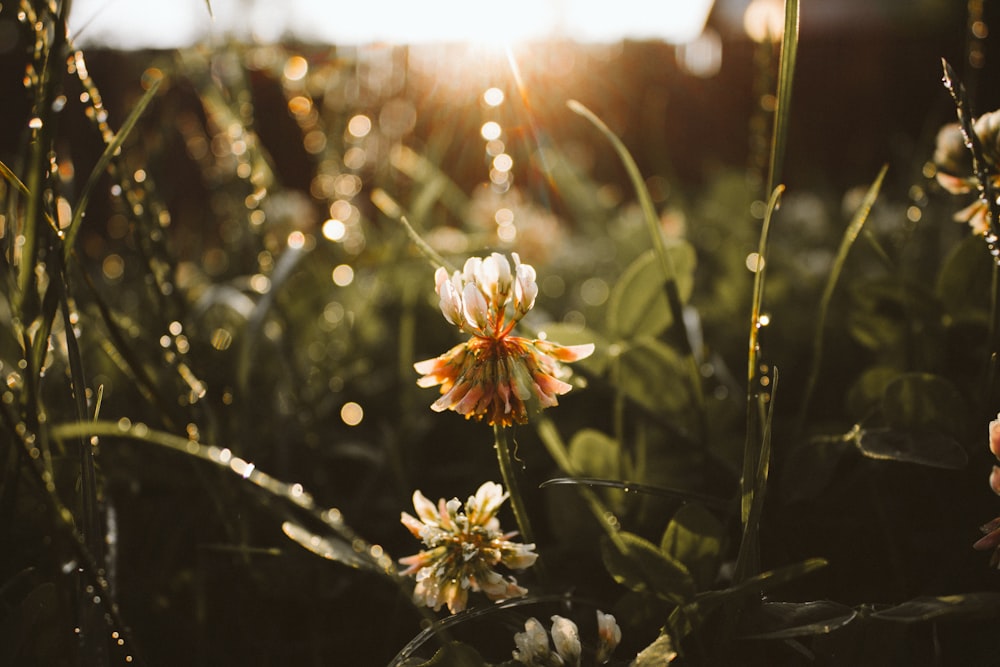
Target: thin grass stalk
(129, 362)
(110, 151)
(846, 243)
(290, 493)
(101, 597)
(666, 261)
(748, 557)
(782, 110)
(49, 61)
(751, 450)
(91, 532)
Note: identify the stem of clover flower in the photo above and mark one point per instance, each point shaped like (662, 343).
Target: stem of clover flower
(510, 481)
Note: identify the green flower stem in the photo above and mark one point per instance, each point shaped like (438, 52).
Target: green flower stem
(510, 481)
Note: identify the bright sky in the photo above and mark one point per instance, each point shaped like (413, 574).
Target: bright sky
(173, 23)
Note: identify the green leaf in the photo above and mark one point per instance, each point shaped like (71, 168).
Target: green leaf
(786, 620)
(921, 401)
(328, 547)
(810, 467)
(986, 604)
(572, 334)
(888, 314)
(929, 448)
(638, 304)
(652, 374)
(865, 395)
(962, 280)
(594, 454)
(657, 654)
(684, 619)
(694, 537)
(643, 567)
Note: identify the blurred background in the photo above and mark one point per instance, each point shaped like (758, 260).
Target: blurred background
(268, 304)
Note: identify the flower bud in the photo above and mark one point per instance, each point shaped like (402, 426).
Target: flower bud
(995, 437)
(567, 640)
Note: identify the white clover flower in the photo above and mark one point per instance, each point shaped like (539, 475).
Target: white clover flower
(463, 548)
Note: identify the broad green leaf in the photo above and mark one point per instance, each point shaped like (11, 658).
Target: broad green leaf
(865, 395)
(684, 619)
(887, 314)
(986, 604)
(694, 537)
(657, 654)
(643, 567)
(921, 401)
(929, 448)
(809, 467)
(638, 304)
(786, 620)
(652, 373)
(571, 334)
(328, 547)
(594, 454)
(961, 284)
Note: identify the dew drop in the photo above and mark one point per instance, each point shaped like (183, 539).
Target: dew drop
(35, 123)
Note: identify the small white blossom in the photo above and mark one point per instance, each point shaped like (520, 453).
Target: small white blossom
(462, 550)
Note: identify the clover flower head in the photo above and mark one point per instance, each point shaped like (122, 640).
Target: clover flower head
(533, 648)
(953, 163)
(494, 374)
(463, 546)
(533, 644)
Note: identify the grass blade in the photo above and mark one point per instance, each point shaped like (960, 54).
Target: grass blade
(750, 450)
(652, 222)
(748, 558)
(102, 163)
(850, 235)
(12, 178)
(786, 74)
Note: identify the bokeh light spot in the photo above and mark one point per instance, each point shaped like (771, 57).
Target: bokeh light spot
(359, 126)
(334, 229)
(296, 68)
(755, 262)
(343, 275)
(503, 162)
(491, 130)
(113, 267)
(352, 413)
(493, 97)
